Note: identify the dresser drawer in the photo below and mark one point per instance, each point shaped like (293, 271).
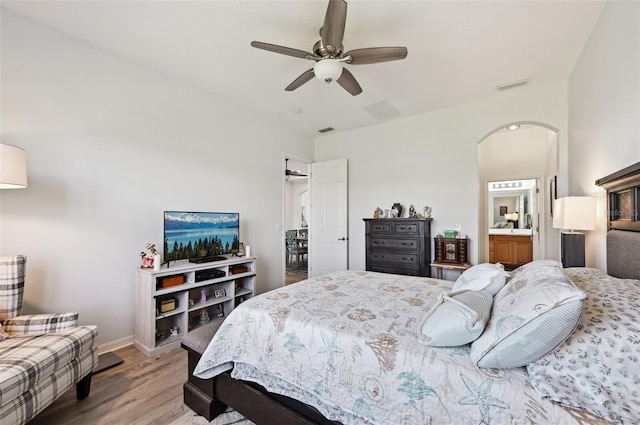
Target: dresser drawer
(395, 259)
(398, 244)
(383, 228)
(396, 270)
(406, 228)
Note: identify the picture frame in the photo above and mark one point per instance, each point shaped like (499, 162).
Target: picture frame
(553, 193)
(503, 210)
(219, 293)
(240, 249)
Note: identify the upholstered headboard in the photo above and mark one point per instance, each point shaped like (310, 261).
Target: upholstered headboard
(623, 254)
(623, 238)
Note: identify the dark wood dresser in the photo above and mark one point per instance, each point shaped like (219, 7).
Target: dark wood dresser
(398, 245)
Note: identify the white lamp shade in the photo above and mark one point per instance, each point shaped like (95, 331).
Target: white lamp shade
(575, 213)
(328, 70)
(13, 167)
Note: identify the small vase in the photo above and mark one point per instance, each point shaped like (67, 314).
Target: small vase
(398, 210)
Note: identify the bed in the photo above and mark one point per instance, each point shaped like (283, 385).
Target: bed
(349, 347)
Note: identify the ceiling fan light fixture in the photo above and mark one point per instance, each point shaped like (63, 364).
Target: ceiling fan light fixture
(328, 70)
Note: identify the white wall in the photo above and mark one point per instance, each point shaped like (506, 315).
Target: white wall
(431, 159)
(293, 210)
(110, 146)
(604, 111)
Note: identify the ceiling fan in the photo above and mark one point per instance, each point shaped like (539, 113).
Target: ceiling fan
(329, 55)
(294, 173)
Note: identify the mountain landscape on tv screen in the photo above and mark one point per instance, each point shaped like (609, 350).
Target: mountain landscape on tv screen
(193, 235)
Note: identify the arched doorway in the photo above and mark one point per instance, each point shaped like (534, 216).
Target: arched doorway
(528, 151)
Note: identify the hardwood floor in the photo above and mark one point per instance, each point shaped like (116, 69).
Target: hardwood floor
(295, 275)
(140, 391)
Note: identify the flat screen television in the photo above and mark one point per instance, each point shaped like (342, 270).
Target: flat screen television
(200, 236)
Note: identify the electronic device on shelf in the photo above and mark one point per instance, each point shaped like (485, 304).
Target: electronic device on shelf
(200, 237)
(208, 274)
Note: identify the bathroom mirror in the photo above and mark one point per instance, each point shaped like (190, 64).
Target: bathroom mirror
(511, 206)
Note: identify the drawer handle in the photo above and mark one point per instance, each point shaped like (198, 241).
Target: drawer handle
(407, 243)
(378, 242)
(405, 228)
(378, 228)
(407, 259)
(378, 256)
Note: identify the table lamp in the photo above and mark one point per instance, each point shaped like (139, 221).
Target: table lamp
(574, 213)
(512, 218)
(13, 167)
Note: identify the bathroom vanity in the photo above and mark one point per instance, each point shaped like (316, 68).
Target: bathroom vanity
(511, 247)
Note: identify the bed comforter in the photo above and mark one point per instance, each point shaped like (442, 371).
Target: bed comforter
(346, 343)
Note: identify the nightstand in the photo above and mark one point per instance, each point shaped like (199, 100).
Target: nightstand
(451, 254)
(449, 266)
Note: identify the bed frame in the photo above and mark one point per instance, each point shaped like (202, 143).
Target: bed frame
(623, 202)
(211, 397)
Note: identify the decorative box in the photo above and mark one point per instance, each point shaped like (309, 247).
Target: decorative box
(238, 269)
(168, 281)
(450, 234)
(167, 305)
(451, 250)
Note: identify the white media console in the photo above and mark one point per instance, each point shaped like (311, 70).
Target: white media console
(171, 302)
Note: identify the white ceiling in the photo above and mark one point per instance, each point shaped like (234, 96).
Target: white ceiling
(459, 51)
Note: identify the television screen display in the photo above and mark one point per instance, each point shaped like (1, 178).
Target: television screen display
(200, 235)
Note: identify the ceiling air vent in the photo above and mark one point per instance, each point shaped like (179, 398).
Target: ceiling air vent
(513, 84)
(325, 130)
(382, 110)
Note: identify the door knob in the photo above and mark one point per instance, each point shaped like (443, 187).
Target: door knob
(342, 239)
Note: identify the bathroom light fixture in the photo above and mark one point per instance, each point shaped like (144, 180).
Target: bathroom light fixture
(513, 127)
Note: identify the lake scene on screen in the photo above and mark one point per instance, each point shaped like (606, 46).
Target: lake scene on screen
(190, 235)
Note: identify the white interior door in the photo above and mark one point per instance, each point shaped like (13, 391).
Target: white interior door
(328, 241)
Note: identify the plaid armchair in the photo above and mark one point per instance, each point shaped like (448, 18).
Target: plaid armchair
(41, 355)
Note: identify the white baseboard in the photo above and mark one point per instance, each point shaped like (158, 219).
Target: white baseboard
(114, 345)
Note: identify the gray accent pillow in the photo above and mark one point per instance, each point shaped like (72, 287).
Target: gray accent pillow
(457, 318)
(534, 313)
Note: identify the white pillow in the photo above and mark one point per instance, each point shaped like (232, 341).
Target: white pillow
(491, 277)
(532, 315)
(457, 318)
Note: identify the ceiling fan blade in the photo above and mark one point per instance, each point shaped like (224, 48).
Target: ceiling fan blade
(376, 55)
(283, 50)
(332, 31)
(349, 83)
(303, 78)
